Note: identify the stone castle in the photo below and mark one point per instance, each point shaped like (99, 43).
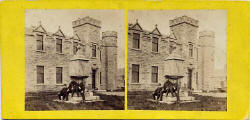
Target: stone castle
(147, 51)
(47, 57)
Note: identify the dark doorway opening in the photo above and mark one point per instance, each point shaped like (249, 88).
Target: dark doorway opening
(190, 78)
(93, 79)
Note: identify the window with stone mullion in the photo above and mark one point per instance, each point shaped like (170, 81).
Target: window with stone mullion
(40, 74)
(93, 50)
(59, 45)
(39, 41)
(154, 76)
(135, 73)
(136, 40)
(155, 44)
(58, 75)
(190, 50)
(75, 47)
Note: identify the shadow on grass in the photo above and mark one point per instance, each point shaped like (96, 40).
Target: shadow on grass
(137, 100)
(44, 101)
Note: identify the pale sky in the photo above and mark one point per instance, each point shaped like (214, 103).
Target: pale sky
(112, 20)
(215, 20)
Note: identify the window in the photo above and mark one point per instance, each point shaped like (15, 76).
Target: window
(75, 47)
(196, 78)
(100, 78)
(100, 55)
(40, 74)
(197, 54)
(190, 50)
(59, 75)
(155, 44)
(136, 40)
(154, 76)
(171, 49)
(93, 50)
(135, 73)
(39, 42)
(58, 45)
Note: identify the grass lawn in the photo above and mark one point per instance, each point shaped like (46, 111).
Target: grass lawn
(44, 101)
(138, 101)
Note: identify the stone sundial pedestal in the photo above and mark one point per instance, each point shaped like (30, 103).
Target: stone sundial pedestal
(174, 72)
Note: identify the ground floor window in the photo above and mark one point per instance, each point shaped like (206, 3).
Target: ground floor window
(196, 78)
(40, 74)
(100, 78)
(135, 73)
(154, 76)
(59, 75)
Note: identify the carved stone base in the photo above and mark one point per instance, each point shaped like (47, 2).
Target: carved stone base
(89, 96)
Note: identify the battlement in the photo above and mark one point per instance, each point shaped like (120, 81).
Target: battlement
(109, 34)
(86, 20)
(206, 33)
(183, 19)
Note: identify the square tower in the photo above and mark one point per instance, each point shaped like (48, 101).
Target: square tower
(88, 30)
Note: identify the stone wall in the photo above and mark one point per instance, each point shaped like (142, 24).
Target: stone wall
(47, 58)
(146, 58)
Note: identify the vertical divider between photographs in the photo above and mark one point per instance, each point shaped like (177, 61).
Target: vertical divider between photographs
(126, 56)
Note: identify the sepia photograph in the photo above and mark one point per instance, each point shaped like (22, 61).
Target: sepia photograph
(74, 59)
(177, 60)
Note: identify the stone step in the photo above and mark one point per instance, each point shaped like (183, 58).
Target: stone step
(92, 98)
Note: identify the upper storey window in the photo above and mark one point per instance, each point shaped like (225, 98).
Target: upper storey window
(171, 49)
(190, 50)
(155, 44)
(39, 42)
(58, 45)
(93, 50)
(136, 40)
(75, 47)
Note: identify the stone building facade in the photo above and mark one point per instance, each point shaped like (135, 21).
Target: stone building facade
(47, 56)
(147, 51)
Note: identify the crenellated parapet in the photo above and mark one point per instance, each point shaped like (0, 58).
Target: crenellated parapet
(183, 19)
(109, 34)
(86, 20)
(109, 38)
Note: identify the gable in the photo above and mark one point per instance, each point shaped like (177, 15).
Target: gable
(172, 35)
(156, 31)
(59, 33)
(136, 27)
(40, 29)
(76, 37)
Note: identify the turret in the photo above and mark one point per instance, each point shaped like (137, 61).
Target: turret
(110, 58)
(206, 58)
